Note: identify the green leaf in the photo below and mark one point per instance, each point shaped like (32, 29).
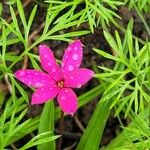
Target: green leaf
(31, 18)
(1, 9)
(11, 27)
(98, 10)
(111, 40)
(21, 13)
(47, 124)
(33, 124)
(29, 128)
(39, 139)
(68, 35)
(118, 39)
(50, 17)
(91, 94)
(13, 15)
(121, 140)
(53, 1)
(106, 55)
(2, 96)
(11, 2)
(4, 47)
(11, 41)
(130, 42)
(91, 20)
(142, 3)
(90, 139)
(33, 61)
(10, 56)
(21, 90)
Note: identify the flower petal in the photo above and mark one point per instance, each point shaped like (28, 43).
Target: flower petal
(67, 100)
(49, 63)
(78, 78)
(34, 78)
(72, 57)
(44, 94)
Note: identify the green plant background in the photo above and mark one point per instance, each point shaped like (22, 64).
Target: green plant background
(124, 88)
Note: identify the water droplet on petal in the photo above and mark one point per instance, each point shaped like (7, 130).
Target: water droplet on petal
(38, 84)
(78, 85)
(49, 64)
(72, 77)
(75, 57)
(66, 91)
(63, 64)
(29, 76)
(43, 81)
(36, 95)
(75, 48)
(36, 73)
(29, 82)
(69, 49)
(70, 68)
(53, 70)
(22, 73)
(62, 97)
(45, 56)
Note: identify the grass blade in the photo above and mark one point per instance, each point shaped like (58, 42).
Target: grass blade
(47, 124)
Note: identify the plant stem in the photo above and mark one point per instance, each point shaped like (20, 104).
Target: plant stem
(61, 129)
(143, 20)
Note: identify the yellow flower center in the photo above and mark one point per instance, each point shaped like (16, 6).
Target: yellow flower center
(60, 84)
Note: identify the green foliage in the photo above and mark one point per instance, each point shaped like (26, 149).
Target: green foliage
(33, 124)
(47, 124)
(39, 139)
(139, 134)
(49, 32)
(127, 85)
(11, 126)
(1, 8)
(94, 12)
(12, 34)
(124, 86)
(135, 136)
(129, 74)
(143, 5)
(93, 134)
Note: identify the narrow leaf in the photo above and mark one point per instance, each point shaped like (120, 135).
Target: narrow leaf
(47, 124)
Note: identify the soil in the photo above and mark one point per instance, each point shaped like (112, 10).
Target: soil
(72, 129)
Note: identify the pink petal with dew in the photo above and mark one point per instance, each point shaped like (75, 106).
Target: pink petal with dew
(44, 94)
(34, 78)
(72, 57)
(67, 100)
(49, 63)
(78, 78)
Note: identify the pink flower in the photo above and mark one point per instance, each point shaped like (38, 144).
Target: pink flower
(60, 80)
